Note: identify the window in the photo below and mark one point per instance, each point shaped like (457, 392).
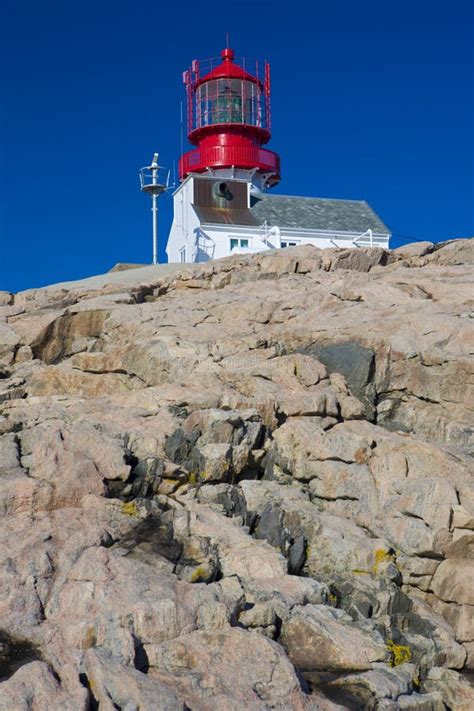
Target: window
(235, 242)
(288, 244)
(182, 254)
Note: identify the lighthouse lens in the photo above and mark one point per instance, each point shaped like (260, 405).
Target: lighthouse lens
(230, 101)
(228, 104)
(227, 101)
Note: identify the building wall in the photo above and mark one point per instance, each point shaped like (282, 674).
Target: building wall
(190, 241)
(227, 240)
(182, 237)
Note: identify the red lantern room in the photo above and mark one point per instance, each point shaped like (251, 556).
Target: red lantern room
(228, 119)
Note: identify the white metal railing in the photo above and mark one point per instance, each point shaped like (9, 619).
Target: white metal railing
(151, 177)
(271, 236)
(366, 236)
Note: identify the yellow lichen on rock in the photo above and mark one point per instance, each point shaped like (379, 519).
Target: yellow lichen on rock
(199, 574)
(130, 508)
(382, 556)
(400, 653)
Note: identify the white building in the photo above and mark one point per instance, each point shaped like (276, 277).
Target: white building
(215, 217)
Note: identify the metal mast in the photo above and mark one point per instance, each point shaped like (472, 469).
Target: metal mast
(154, 180)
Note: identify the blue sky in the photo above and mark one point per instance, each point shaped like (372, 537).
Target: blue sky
(371, 100)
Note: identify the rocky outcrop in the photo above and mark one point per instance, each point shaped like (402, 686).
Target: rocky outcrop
(246, 484)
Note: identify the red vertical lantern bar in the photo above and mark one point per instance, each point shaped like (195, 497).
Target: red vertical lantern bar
(258, 97)
(268, 117)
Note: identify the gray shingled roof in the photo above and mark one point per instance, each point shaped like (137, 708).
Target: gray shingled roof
(317, 213)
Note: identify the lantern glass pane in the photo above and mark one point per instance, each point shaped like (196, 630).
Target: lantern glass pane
(228, 101)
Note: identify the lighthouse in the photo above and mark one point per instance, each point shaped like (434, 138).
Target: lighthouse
(229, 122)
(222, 205)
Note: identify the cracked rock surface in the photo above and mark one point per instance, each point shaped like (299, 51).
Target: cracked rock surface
(241, 485)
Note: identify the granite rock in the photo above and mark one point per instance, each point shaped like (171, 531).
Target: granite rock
(246, 483)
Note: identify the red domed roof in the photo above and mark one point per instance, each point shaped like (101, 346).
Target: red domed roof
(227, 70)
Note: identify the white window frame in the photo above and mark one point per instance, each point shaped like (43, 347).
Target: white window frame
(239, 244)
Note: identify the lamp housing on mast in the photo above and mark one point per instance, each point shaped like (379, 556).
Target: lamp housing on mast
(154, 180)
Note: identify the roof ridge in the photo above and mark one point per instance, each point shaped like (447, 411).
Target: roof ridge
(307, 197)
